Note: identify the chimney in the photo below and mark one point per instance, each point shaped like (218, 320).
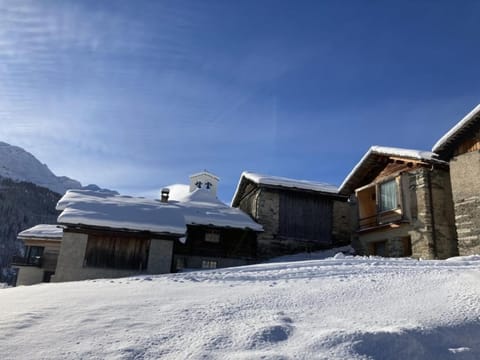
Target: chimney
(165, 193)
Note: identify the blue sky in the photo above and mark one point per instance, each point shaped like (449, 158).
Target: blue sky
(135, 95)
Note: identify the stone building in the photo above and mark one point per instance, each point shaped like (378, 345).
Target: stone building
(39, 260)
(403, 204)
(296, 215)
(461, 148)
(108, 235)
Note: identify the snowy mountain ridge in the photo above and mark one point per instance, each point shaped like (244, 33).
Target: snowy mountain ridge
(18, 164)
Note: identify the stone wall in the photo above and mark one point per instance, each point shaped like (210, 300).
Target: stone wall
(465, 177)
(160, 256)
(341, 227)
(29, 275)
(72, 254)
(268, 212)
(422, 238)
(392, 236)
(434, 235)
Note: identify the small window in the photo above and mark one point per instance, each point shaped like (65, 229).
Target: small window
(180, 263)
(212, 236)
(388, 196)
(33, 255)
(209, 264)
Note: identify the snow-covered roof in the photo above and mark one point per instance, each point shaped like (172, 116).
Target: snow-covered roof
(178, 191)
(372, 155)
(42, 231)
(278, 181)
(85, 207)
(457, 130)
(201, 207)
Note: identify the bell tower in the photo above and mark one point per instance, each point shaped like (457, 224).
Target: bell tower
(204, 180)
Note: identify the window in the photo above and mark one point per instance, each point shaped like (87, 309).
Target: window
(212, 236)
(209, 264)
(388, 195)
(33, 255)
(117, 252)
(180, 264)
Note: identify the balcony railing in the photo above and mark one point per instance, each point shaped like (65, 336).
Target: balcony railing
(387, 217)
(369, 221)
(27, 261)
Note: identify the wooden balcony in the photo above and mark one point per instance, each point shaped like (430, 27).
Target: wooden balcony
(382, 219)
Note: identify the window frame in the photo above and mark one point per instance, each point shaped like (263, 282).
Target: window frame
(212, 236)
(380, 196)
(207, 264)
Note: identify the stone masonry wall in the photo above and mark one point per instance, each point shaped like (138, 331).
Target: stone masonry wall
(268, 212)
(446, 244)
(434, 229)
(423, 245)
(29, 275)
(393, 238)
(465, 177)
(341, 227)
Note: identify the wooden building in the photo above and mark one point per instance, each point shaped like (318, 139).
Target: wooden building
(460, 146)
(296, 215)
(39, 260)
(108, 235)
(217, 235)
(402, 199)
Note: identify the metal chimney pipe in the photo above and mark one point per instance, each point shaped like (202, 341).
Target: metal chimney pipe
(165, 194)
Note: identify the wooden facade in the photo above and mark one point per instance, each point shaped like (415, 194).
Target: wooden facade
(305, 217)
(214, 246)
(118, 252)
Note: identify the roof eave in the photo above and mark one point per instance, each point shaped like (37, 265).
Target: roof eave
(347, 189)
(456, 130)
(127, 230)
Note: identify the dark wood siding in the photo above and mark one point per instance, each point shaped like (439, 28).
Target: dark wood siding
(305, 217)
(117, 252)
(233, 243)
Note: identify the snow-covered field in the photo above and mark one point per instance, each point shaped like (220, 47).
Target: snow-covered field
(338, 308)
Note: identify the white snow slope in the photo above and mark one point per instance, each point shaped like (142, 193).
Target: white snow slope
(338, 308)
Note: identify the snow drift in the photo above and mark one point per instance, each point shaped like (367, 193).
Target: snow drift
(339, 308)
